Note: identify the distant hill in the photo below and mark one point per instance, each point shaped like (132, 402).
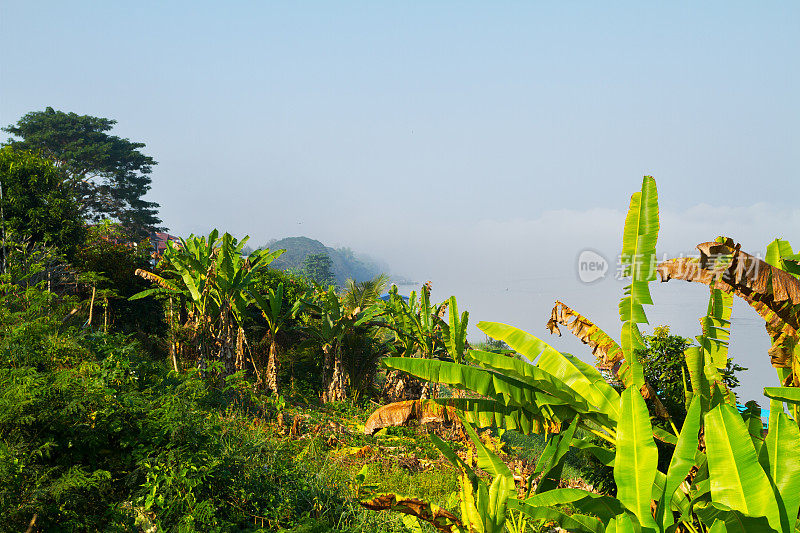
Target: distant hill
(346, 264)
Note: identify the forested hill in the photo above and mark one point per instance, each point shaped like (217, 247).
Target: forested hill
(346, 264)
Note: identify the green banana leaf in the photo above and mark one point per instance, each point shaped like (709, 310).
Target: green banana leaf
(583, 379)
(625, 523)
(783, 394)
(679, 501)
(718, 527)
(501, 489)
(576, 523)
(530, 375)
(736, 477)
(520, 341)
(492, 413)
(456, 331)
(489, 461)
(735, 521)
(601, 506)
(783, 451)
(637, 457)
(551, 462)
(780, 254)
(494, 385)
(604, 455)
(638, 261)
(683, 458)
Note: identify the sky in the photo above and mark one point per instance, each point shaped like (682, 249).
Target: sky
(478, 145)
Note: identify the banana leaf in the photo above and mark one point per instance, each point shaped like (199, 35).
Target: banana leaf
(783, 451)
(784, 394)
(531, 375)
(582, 378)
(601, 506)
(576, 523)
(637, 457)
(736, 477)
(735, 521)
(551, 462)
(683, 459)
(638, 261)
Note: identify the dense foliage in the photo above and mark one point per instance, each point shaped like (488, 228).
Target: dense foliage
(37, 206)
(319, 268)
(219, 394)
(97, 435)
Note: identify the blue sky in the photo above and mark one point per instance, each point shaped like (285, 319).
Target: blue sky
(480, 145)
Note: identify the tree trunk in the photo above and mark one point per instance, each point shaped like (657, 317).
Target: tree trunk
(272, 367)
(429, 390)
(230, 342)
(240, 359)
(91, 304)
(335, 380)
(173, 350)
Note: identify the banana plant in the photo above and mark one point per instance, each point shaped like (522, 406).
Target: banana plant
(327, 328)
(454, 331)
(327, 322)
(215, 280)
(560, 386)
(483, 506)
(418, 330)
(276, 314)
(723, 476)
(771, 288)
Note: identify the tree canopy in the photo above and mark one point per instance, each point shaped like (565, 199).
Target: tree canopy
(37, 207)
(108, 175)
(319, 267)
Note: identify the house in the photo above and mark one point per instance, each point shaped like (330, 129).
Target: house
(158, 241)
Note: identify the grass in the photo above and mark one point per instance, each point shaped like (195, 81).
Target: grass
(530, 447)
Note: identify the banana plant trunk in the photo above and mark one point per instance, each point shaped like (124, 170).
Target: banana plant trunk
(400, 386)
(429, 391)
(230, 341)
(272, 367)
(335, 379)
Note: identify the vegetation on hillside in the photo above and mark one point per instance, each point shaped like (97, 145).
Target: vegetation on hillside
(345, 263)
(213, 391)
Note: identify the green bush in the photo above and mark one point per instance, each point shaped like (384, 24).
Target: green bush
(97, 435)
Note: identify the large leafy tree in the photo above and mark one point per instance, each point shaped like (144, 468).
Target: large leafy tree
(36, 206)
(319, 268)
(664, 366)
(107, 174)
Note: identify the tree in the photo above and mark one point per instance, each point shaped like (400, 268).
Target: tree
(276, 313)
(330, 324)
(276, 326)
(36, 203)
(108, 175)
(362, 294)
(115, 265)
(319, 268)
(664, 365)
